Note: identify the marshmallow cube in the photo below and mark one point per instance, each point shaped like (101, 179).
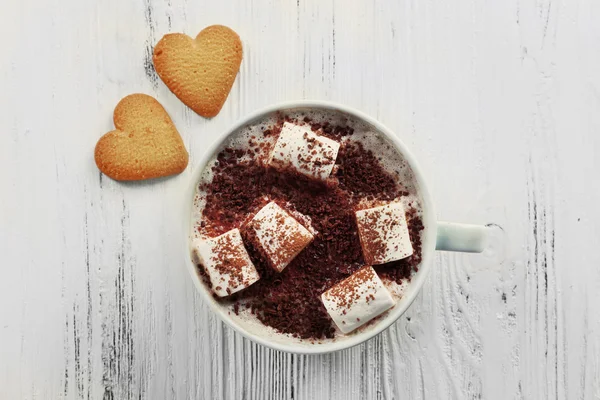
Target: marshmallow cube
(227, 263)
(278, 235)
(357, 299)
(303, 150)
(383, 233)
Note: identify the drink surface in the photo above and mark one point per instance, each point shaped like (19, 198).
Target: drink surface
(237, 182)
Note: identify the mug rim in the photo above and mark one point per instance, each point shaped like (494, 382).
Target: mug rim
(427, 248)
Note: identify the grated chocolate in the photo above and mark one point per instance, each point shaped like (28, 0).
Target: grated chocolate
(290, 301)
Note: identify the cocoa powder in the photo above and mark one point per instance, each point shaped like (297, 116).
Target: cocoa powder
(290, 301)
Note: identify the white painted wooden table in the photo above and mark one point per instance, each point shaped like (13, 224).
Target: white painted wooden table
(500, 100)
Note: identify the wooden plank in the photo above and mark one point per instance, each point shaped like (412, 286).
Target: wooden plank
(497, 100)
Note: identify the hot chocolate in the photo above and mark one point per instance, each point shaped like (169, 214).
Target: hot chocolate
(318, 177)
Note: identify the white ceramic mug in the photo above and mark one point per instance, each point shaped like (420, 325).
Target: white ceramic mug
(435, 236)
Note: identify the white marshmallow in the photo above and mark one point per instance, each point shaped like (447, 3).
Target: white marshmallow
(279, 236)
(310, 154)
(384, 233)
(226, 261)
(357, 299)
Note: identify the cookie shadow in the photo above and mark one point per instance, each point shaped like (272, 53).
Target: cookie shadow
(140, 183)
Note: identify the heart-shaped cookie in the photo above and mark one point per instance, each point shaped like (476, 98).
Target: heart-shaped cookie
(145, 143)
(201, 71)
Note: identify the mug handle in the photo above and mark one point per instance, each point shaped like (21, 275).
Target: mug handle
(461, 237)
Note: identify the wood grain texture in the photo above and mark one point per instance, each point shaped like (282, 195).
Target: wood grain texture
(498, 100)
